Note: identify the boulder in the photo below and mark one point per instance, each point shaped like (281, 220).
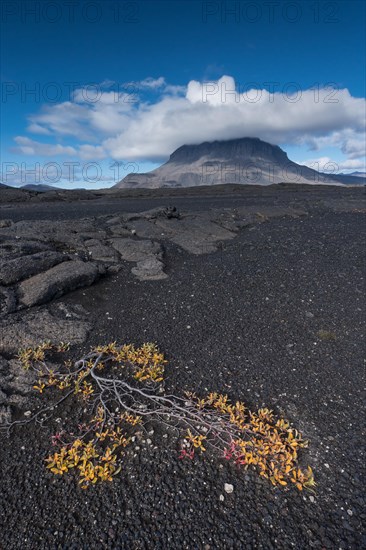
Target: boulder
(23, 267)
(57, 281)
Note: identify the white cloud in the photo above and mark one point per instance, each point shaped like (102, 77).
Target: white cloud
(67, 118)
(130, 127)
(91, 152)
(152, 82)
(216, 110)
(28, 146)
(35, 128)
(326, 164)
(354, 147)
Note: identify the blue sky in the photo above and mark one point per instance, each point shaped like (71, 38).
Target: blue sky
(123, 84)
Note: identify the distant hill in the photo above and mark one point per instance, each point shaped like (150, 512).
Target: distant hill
(40, 187)
(356, 174)
(244, 161)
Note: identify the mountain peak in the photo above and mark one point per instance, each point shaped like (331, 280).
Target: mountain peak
(246, 160)
(229, 150)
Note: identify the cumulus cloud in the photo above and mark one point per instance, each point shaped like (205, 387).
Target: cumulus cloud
(130, 126)
(28, 146)
(65, 119)
(216, 110)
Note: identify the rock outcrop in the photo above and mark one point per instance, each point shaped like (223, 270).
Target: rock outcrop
(57, 281)
(147, 255)
(23, 267)
(55, 322)
(44, 259)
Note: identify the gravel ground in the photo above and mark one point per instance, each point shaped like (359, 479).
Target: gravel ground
(245, 321)
(190, 199)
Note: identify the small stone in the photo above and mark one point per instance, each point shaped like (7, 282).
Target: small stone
(221, 498)
(27, 413)
(312, 499)
(326, 465)
(228, 488)
(309, 315)
(349, 512)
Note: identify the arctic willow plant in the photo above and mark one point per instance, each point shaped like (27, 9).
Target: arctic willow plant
(122, 387)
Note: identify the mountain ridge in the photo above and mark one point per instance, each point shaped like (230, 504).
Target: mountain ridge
(244, 160)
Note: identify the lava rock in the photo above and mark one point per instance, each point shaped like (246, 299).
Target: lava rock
(57, 281)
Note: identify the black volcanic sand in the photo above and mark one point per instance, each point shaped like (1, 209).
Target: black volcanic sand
(243, 321)
(19, 204)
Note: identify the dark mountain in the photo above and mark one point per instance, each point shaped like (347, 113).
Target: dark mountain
(244, 161)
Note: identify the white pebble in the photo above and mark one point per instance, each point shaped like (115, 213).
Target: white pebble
(221, 498)
(228, 488)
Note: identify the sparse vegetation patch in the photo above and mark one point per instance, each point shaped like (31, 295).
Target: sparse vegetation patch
(122, 387)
